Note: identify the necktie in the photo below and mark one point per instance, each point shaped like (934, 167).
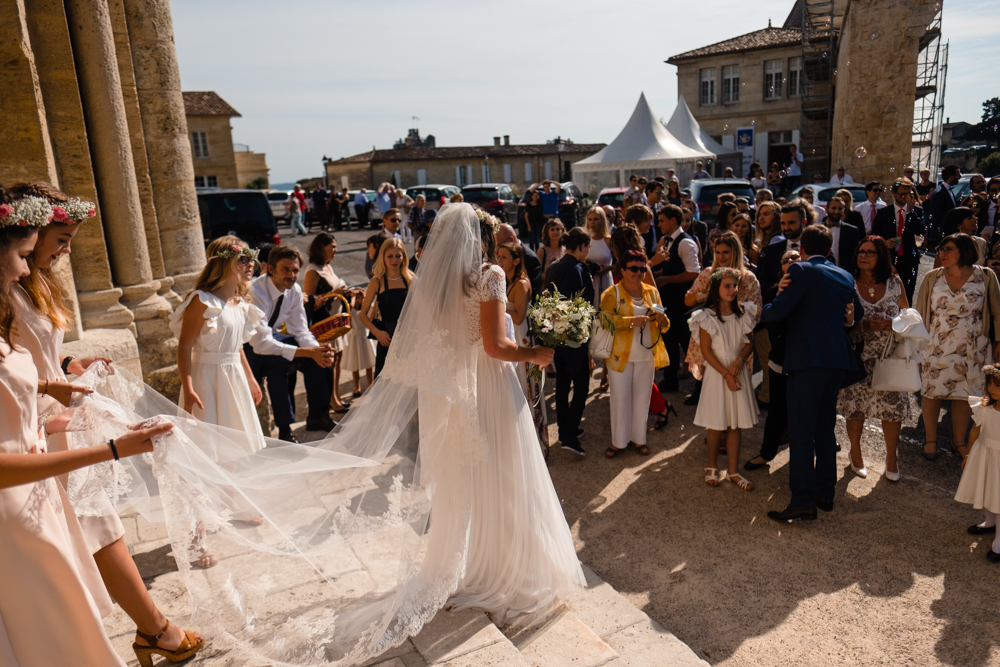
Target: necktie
(899, 233)
(277, 309)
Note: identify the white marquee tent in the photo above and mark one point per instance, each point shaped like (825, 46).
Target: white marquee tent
(688, 131)
(643, 146)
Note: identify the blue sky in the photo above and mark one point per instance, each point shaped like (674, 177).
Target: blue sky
(314, 78)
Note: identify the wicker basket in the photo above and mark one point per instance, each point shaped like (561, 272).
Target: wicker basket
(334, 326)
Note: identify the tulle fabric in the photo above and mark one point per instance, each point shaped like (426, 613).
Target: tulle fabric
(347, 563)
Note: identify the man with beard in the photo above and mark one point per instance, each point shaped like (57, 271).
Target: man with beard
(845, 237)
(769, 267)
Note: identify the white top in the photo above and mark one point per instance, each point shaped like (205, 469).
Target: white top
(292, 315)
(688, 250)
(846, 180)
(868, 213)
(492, 286)
(642, 346)
(794, 169)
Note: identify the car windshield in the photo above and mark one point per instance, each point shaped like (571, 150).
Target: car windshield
(277, 196)
(230, 211)
(611, 199)
(480, 194)
(709, 194)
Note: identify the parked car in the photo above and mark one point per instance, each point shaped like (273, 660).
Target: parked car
(825, 191)
(572, 205)
(496, 198)
(277, 199)
(436, 196)
(611, 197)
(705, 192)
(964, 186)
(373, 215)
(243, 213)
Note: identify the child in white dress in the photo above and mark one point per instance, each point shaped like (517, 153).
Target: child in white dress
(980, 485)
(727, 402)
(359, 354)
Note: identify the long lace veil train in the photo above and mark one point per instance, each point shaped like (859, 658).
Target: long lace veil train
(345, 564)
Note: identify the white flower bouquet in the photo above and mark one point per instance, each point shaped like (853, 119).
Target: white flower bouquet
(558, 320)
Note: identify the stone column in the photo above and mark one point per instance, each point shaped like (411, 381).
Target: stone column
(118, 191)
(171, 168)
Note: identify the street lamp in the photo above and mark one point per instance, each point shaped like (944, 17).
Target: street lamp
(562, 147)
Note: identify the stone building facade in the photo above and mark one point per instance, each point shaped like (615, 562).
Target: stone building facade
(503, 162)
(211, 138)
(92, 103)
(250, 166)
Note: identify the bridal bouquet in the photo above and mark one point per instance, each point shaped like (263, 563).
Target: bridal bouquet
(558, 320)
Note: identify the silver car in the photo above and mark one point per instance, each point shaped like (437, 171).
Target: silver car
(276, 199)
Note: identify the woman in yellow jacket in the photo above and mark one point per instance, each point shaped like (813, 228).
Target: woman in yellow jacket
(637, 352)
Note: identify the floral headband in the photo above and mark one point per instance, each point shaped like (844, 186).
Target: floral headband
(73, 211)
(237, 251)
(725, 272)
(992, 370)
(491, 220)
(26, 212)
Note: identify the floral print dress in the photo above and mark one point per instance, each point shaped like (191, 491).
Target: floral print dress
(859, 400)
(747, 290)
(953, 360)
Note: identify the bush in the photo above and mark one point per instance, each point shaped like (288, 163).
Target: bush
(989, 165)
(257, 184)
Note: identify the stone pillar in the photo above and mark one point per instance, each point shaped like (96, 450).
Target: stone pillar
(124, 52)
(117, 188)
(91, 273)
(161, 105)
(874, 105)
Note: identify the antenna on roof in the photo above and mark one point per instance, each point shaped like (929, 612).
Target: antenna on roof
(768, 22)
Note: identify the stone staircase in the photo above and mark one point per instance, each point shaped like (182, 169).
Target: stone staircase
(597, 626)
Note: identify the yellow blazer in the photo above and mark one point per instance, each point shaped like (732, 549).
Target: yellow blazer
(619, 309)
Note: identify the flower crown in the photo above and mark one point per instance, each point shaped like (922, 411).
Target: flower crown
(73, 211)
(237, 251)
(992, 370)
(491, 220)
(725, 272)
(26, 212)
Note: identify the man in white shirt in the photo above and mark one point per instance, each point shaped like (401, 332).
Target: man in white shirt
(841, 177)
(675, 275)
(275, 357)
(793, 178)
(872, 205)
(699, 171)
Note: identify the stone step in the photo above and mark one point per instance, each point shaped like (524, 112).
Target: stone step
(560, 640)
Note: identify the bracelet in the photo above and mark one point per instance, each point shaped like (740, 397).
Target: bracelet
(114, 450)
(46, 389)
(65, 365)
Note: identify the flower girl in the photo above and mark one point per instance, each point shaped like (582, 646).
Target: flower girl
(980, 485)
(727, 402)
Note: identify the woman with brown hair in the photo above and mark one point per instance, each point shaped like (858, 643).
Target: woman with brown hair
(743, 228)
(550, 252)
(768, 225)
(320, 287)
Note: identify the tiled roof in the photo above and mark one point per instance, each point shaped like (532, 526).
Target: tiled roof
(768, 38)
(460, 152)
(207, 103)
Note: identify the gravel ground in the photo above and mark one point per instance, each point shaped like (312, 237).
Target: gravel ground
(890, 577)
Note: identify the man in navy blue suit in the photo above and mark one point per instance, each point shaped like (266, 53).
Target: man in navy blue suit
(818, 355)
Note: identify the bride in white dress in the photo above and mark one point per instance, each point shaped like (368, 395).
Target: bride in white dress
(431, 492)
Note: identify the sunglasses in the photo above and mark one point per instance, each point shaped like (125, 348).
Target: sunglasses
(244, 261)
(635, 269)
(876, 189)
(395, 219)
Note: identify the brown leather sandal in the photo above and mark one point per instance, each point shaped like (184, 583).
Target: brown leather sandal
(187, 648)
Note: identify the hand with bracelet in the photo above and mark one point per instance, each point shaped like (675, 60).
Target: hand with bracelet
(62, 391)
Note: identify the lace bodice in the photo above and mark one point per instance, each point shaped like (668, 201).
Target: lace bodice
(492, 286)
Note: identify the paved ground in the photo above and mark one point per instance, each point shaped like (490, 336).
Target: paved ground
(349, 263)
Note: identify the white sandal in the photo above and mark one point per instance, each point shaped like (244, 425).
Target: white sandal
(712, 478)
(740, 481)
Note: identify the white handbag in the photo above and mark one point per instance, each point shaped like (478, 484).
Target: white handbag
(895, 374)
(601, 338)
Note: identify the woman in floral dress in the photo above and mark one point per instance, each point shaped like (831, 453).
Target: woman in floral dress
(883, 297)
(959, 303)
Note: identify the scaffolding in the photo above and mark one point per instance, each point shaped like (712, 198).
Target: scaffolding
(819, 43)
(928, 107)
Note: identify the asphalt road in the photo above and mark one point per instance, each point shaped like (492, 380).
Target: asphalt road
(349, 262)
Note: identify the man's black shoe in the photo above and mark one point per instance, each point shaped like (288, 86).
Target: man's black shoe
(792, 512)
(825, 504)
(992, 556)
(324, 424)
(574, 447)
(287, 437)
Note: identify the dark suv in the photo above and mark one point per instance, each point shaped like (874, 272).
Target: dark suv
(572, 205)
(496, 198)
(243, 213)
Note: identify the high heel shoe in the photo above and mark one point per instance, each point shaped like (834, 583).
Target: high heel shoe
(893, 476)
(860, 472)
(187, 648)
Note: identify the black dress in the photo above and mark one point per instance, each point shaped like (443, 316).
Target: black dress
(390, 306)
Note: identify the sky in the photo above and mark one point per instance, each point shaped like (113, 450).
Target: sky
(334, 78)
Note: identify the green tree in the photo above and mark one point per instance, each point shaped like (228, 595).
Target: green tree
(259, 183)
(989, 164)
(989, 127)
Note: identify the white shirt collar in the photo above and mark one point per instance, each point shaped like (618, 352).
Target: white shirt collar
(677, 232)
(272, 289)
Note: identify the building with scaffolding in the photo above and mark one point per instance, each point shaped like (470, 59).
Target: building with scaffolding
(852, 82)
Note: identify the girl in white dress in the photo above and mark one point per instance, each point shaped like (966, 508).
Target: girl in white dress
(980, 485)
(50, 579)
(727, 402)
(359, 355)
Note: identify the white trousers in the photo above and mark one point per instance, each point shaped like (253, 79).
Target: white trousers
(630, 392)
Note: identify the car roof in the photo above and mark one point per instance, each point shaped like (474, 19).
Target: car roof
(827, 186)
(611, 191)
(485, 185)
(224, 191)
(719, 181)
(431, 185)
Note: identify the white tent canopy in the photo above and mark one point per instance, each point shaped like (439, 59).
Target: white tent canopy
(644, 143)
(687, 130)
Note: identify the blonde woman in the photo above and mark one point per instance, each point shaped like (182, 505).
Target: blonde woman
(600, 251)
(388, 288)
(728, 253)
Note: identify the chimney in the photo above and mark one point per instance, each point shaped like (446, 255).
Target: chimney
(506, 140)
(496, 142)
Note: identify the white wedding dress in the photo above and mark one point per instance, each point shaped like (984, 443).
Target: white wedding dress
(432, 491)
